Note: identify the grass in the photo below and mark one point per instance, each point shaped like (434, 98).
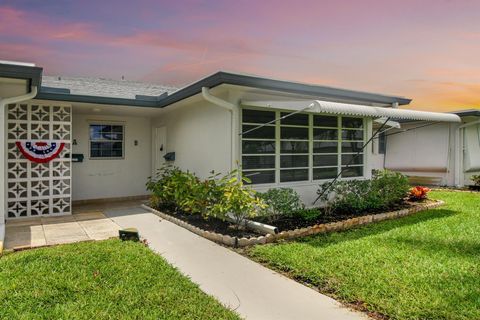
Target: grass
(425, 266)
(100, 280)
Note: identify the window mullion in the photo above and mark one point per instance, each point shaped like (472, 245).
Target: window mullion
(277, 148)
(339, 146)
(310, 147)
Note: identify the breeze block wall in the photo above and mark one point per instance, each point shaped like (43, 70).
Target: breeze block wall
(38, 188)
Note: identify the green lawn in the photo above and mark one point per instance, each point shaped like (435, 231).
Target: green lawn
(425, 266)
(99, 280)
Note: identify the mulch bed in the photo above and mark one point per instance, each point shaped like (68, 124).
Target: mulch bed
(292, 223)
(283, 224)
(212, 224)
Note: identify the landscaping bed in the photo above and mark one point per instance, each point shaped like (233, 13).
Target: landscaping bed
(223, 209)
(107, 279)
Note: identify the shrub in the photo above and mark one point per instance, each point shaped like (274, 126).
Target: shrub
(179, 190)
(281, 202)
(476, 180)
(418, 193)
(310, 214)
(237, 200)
(384, 190)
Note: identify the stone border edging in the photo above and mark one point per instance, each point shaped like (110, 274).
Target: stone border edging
(292, 234)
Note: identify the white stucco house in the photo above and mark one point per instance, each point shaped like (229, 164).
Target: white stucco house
(68, 140)
(434, 153)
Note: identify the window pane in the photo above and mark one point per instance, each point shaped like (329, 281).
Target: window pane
(352, 172)
(260, 176)
(117, 129)
(296, 119)
(325, 134)
(348, 122)
(293, 161)
(257, 116)
(294, 146)
(258, 147)
(258, 162)
(294, 133)
(95, 153)
(351, 146)
(325, 160)
(325, 147)
(266, 132)
(117, 153)
(325, 121)
(96, 131)
(352, 134)
(382, 143)
(324, 173)
(346, 158)
(293, 175)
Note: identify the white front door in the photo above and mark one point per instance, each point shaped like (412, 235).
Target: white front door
(159, 147)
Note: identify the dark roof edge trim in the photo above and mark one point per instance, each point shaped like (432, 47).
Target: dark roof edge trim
(34, 74)
(232, 79)
(278, 85)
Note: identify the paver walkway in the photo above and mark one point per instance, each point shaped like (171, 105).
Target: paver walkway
(35, 232)
(254, 291)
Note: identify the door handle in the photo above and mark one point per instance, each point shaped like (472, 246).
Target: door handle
(161, 147)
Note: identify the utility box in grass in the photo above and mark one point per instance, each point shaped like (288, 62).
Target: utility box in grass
(129, 234)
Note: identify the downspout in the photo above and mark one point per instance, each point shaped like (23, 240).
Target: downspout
(233, 116)
(3, 103)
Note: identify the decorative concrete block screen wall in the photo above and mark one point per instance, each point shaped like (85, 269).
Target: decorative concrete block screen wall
(38, 188)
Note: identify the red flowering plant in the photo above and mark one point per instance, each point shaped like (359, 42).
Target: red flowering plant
(418, 193)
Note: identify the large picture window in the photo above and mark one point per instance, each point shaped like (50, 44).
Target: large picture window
(106, 141)
(301, 147)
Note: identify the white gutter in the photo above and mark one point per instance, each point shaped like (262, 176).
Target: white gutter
(233, 115)
(3, 190)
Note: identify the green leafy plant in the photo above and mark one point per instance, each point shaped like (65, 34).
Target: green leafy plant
(239, 201)
(476, 180)
(280, 202)
(310, 214)
(215, 196)
(384, 190)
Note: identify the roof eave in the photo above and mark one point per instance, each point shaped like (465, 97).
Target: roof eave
(278, 85)
(33, 74)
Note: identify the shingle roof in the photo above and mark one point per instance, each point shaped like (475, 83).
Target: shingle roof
(100, 87)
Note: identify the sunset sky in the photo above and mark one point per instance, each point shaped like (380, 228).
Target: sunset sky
(425, 50)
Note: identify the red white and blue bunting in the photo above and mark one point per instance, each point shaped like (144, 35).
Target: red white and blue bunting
(40, 151)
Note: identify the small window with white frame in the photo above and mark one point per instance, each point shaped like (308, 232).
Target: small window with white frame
(106, 141)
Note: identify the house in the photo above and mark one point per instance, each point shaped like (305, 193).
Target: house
(434, 153)
(68, 140)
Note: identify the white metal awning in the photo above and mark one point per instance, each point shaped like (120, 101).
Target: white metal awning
(328, 107)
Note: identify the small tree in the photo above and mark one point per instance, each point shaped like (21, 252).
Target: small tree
(242, 202)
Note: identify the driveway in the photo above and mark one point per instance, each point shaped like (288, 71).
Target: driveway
(254, 291)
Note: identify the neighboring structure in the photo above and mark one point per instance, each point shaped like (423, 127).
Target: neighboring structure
(434, 153)
(78, 139)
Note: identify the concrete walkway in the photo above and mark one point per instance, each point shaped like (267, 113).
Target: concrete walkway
(41, 231)
(254, 291)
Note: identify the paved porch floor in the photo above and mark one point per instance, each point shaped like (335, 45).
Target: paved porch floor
(86, 223)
